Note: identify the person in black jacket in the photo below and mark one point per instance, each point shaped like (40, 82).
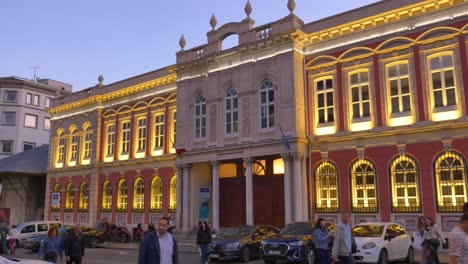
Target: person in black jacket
(159, 246)
(203, 240)
(74, 246)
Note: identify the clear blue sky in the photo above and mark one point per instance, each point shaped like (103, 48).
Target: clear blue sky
(75, 41)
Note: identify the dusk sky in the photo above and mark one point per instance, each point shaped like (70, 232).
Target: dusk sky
(76, 41)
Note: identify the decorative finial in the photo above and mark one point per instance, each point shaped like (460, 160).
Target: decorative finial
(182, 42)
(248, 9)
(291, 6)
(100, 79)
(213, 22)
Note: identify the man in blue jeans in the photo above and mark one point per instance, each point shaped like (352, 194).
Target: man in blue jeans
(343, 242)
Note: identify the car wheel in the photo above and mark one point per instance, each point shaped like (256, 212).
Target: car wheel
(93, 242)
(310, 256)
(245, 254)
(383, 257)
(410, 256)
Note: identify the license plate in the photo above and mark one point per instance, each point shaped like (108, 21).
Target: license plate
(214, 255)
(274, 252)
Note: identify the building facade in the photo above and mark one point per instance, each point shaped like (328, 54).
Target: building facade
(359, 113)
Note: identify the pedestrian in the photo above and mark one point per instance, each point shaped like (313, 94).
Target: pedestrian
(107, 233)
(321, 238)
(342, 250)
(458, 246)
(203, 240)
(150, 229)
(465, 208)
(51, 248)
(13, 237)
(74, 246)
(3, 238)
(432, 241)
(159, 246)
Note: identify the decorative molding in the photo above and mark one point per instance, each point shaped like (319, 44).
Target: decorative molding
(447, 142)
(324, 155)
(214, 163)
(401, 146)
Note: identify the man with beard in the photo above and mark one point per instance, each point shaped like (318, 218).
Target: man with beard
(159, 246)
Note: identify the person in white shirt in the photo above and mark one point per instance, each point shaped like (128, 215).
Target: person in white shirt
(458, 242)
(13, 237)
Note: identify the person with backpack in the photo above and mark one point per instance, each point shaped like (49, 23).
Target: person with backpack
(3, 238)
(51, 247)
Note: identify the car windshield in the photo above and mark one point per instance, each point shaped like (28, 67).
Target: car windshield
(368, 230)
(236, 231)
(297, 229)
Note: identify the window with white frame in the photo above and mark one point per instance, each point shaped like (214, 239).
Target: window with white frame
(110, 148)
(404, 175)
(139, 194)
(10, 96)
(46, 123)
(173, 193)
(84, 196)
(159, 131)
(399, 88)
(360, 99)
(325, 105)
(232, 111)
(326, 186)
(61, 149)
(450, 174)
(200, 117)
(122, 195)
(70, 197)
(36, 100)
(442, 76)
(174, 127)
(364, 187)
(74, 147)
(156, 193)
(107, 195)
(267, 104)
(87, 143)
(141, 134)
(29, 98)
(7, 146)
(30, 120)
(48, 102)
(125, 137)
(9, 118)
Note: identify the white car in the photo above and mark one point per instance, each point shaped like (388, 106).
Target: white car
(21, 261)
(382, 242)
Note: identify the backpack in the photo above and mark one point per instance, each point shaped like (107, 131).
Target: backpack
(3, 234)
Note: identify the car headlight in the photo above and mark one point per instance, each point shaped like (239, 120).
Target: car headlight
(369, 245)
(296, 243)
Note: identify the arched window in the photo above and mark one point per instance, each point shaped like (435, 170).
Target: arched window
(156, 193)
(139, 194)
(404, 175)
(87, 143)
(84, 195)
(107, 196)
(57, 202)
(200, 117)
(450, 176)
(122, 195)
(60, 151)
(326, 188)
(74, 146)
(364, 188)
(173, 193)
(267, 104)
(70, 197)
(232, 112)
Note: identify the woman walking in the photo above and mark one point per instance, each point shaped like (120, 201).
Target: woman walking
(321, 239)
(51, 247)
(13, 236)
(432, 241)
(203, 240)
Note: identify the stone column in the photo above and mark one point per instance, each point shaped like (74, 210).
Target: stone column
(93, 197)
(186, 206)
(215, 168)
(287, 188)
(305, 200)
(249, 191)
(297, 188)
(180, 185)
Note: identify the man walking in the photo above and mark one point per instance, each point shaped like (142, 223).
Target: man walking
(343, 242)
(74, 246)
(159, 246)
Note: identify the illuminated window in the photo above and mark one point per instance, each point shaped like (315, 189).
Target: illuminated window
(232, 111)
(364, 187)
(404, 175)
(110, 140)
(156, 193)
(74, 147)
(57, 190)
(278, 166)
(325, 104)
(70, 197)
(122, 195)
(61, 149)
(139, 194)
(125, 137)
(84, 195)
(173, 193)
(450, 174)
(227, 170)
(442, 78)
(159, 131)
(360, 101)
(326, 186)
(174, 123)
(398, 83)
(141, 135)
(87, 143)
(107, 195)
(267, 104)
(200, 117)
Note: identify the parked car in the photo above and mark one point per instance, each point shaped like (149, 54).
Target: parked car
(239, 242)
(294, 243)
(33, 229)
(382, 242)
(92, 238)
(21, 261)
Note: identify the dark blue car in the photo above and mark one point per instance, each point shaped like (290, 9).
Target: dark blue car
(241, 243)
